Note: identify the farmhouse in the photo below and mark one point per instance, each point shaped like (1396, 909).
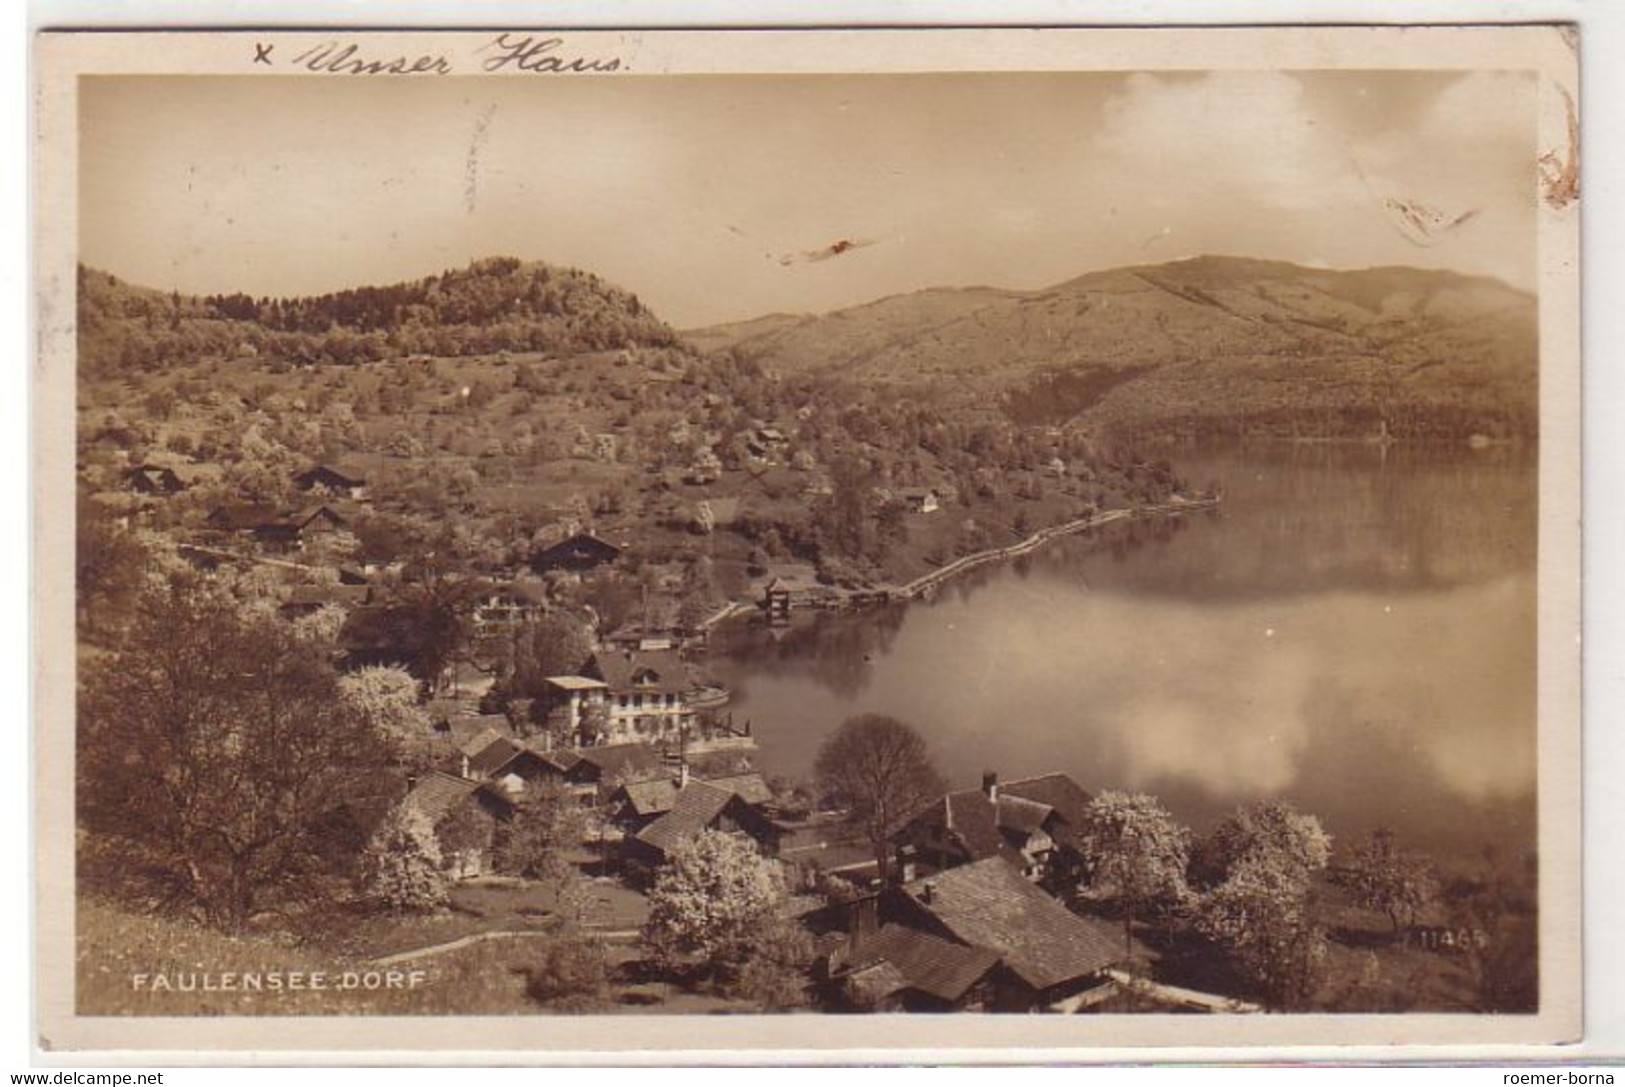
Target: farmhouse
(577, 554)
(326, 479)
(1045, 954)
(698, 806)
(637, 804)
(604, 769)
(155, 479)
(1033, 823)
(466, 816)
(502, 607)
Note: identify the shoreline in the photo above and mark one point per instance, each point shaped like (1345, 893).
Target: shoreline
(923, 584)
(926, 582)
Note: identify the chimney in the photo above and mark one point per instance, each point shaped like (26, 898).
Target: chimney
(411, 782)
(466, 774)
(926, 892)
(990, 784)
(682, 774)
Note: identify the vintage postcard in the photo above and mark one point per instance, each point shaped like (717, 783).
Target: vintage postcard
(807, 542)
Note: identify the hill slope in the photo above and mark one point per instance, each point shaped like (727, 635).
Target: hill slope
(1212, 343)
(494, 304)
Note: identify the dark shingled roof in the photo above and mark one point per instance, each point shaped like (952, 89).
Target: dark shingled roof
(697, 805)
(653, 797)
(437, 794)
(1022, 808)
(932, 965)
(750, 788)
(627, 760)
(650, 671)
(1022, 816)
(493, 756)
(972, 817)
(1059, 791)
(658, 795)
(988, 904)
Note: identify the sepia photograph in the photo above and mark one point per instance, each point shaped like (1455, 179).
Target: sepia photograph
(819, 528)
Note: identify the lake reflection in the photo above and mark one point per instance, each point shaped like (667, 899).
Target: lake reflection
(1354, 632)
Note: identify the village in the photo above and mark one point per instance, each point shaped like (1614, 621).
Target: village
(554, 771)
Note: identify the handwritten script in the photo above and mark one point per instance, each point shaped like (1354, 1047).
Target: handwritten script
(507, 52)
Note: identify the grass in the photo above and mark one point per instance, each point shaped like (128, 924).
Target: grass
(489, 906)
(117, 947)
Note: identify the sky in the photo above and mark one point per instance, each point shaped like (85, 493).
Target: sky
(705, 194)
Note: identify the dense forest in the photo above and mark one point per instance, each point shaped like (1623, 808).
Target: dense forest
(496, 304)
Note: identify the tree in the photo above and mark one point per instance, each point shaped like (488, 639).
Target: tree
(1264, 909)
(1137, 854)
(1393, 881)
(107, 566)
(1270, 831)
(879, 768)
(553, 645)
(403, 867)
(717, 903)
(216, 750)
(542, 829)
(387, 699)
(1265, 917)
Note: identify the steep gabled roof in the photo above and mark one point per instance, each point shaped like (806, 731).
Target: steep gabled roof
(437, 794)
(653, 797)
(1020, 815)
(1057, 790)
(988, 904)
(697, 806)
(929, 964)
(751, 787)
(626, 760)
(650, 671)
(493, 756)
(973, 820)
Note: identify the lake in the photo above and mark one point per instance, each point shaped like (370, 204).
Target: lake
(1353, 631)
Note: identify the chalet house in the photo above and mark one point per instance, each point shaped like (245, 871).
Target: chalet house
(320, 529)
(897, 968)
(647, 693)
(1045, 954)
(155, 479)
(303, 600)
(579, 553)
(602, 770)
(503, 607)
(468, 816)
(518, 771)
(698, 806)
(325, 479)
(1033, 823)
(638, 804)
(920, 499)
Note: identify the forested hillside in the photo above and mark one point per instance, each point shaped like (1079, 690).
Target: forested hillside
(495, 304)
(1210, 346)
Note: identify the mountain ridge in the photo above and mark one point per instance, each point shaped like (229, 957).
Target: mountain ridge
(1203, 344)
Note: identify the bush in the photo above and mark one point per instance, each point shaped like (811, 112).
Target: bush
(570, 975)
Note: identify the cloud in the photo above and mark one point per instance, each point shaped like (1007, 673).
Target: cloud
(1249, 134)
